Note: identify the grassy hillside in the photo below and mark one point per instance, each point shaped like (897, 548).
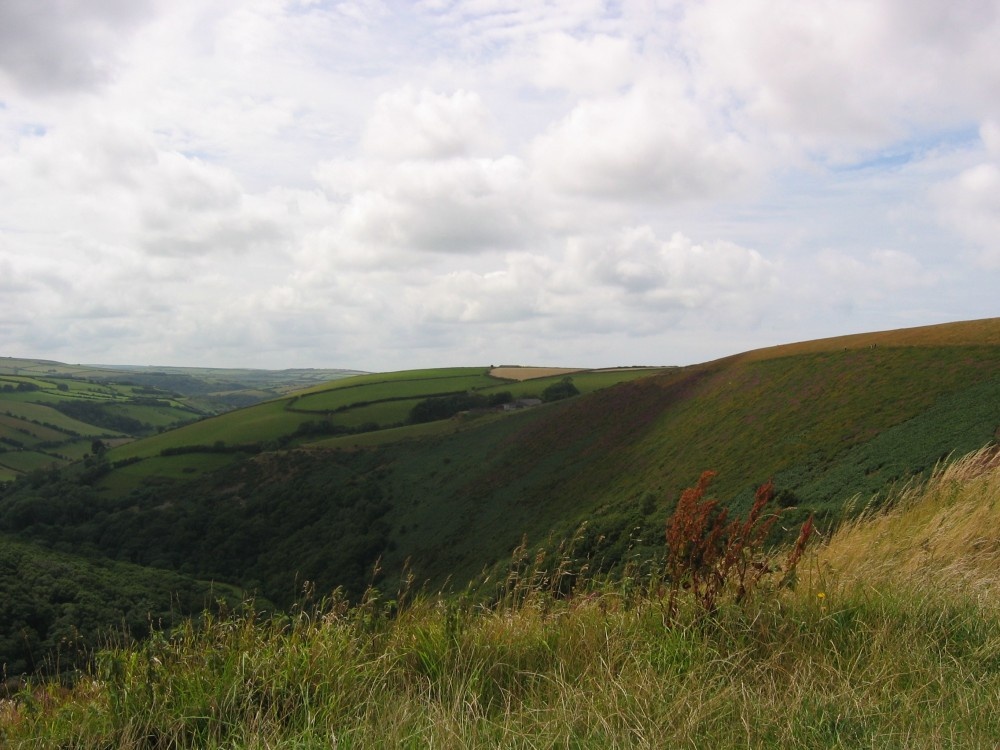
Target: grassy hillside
(265, 499)
(51, 413)
(825, 426)
(879, 642)
(355, 405)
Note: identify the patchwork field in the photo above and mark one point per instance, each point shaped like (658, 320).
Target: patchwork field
(528, 373)
(378, 403)
(52, 412)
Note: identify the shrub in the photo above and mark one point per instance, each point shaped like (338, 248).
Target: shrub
(707, 553)
(558, 391)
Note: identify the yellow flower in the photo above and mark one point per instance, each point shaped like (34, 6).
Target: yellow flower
(821, 595)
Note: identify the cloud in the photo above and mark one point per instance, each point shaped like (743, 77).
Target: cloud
(838, 78)
(377, 184)
(493, 22)
(879, 275)
(419, 187)
(631, 279)
(48, 46)
(971, 204)
(408, 124)
(458, 206)
(647, 272)
(652, 142)
(593, 65)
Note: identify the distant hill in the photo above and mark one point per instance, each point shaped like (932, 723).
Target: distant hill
(320, 484)
(52, 414)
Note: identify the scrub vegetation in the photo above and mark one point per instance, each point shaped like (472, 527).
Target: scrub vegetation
(353, 495)
(886, 633)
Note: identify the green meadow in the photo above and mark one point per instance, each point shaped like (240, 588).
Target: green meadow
(55, 411)
(359, 404)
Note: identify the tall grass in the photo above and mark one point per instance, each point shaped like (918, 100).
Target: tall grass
(889, 639)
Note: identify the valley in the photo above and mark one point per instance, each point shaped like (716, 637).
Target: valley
(334, 486)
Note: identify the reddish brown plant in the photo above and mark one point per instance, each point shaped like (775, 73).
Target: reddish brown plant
(708, 554)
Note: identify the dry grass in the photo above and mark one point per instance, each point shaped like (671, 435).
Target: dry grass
(900, 651)
(944, 535)
(530, 373)
(984, 332)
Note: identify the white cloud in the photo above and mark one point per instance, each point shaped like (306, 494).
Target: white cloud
(971, 204)
(48, 46)
(632, 279)
(424, 125)
(652, 142)
(592, 65)
(877, 276)
(455, 206)
(649, 273)
(482, 23)
(841, 77)
(380, 184)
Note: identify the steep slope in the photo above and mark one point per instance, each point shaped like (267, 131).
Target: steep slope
(826, 420)
(824, 425)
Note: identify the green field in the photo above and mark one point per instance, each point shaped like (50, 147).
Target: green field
(159, 470)
(29, 433)
(345, 395)
(48, 416)
(24, 461)
(400, 376)
(381, 400)
(57, 406)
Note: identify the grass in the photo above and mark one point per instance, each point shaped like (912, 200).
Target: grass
(890, 639)
(383, 399)
(400, 376)
(47, 415)
(348, 393)
(161, 469)
(25, 461)
(161, 399)
(266, 421)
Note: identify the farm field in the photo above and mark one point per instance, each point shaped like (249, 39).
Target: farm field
(370, 403)
(55, 411)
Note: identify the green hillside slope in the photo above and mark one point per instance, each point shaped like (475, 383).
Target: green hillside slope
(51, 413)
(826, 420)
(57, 607)
(357, 404)
(875, 642)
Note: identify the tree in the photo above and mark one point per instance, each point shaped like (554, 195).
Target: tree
(563, 389)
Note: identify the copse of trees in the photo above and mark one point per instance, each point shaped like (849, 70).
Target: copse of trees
(445, 407)
(102, 416)
(558, 391)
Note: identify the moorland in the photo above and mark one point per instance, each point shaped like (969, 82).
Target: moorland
(379, 518)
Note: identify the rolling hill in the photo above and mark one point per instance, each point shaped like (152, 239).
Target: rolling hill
(52, 414)
(322, 484)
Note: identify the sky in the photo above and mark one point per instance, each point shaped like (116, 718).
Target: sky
(385, 185)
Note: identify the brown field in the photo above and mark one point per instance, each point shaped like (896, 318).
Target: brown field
(968, 333)
(529, 373)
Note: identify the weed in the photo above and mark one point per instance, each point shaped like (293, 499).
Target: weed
(708, 554)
